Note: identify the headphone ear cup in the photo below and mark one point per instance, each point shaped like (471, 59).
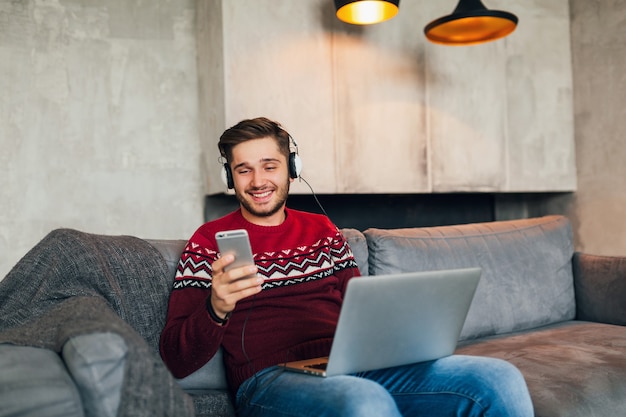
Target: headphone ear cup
(295, 165)
(227, 176)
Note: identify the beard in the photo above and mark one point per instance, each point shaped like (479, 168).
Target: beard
(280, 197)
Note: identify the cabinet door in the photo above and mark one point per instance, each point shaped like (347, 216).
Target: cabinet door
(379, 83)
(273, 59)
(466, 117)
(501, 113)
(540, 115)
(278, 64)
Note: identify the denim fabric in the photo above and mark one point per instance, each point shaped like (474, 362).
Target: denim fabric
(453, 386)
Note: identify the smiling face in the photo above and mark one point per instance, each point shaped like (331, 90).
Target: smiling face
(261, 178)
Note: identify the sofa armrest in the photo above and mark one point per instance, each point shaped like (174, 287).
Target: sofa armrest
(600, 286)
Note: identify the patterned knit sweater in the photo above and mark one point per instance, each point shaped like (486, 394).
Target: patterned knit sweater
(306, 264)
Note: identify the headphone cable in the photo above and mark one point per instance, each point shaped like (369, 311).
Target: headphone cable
(314, 196)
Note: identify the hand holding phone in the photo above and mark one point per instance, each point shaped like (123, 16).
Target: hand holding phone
(229, 288)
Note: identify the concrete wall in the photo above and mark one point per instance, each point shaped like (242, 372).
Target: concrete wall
(98, 120)
(599, 69)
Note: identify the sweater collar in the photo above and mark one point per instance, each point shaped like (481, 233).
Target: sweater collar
(285, 225)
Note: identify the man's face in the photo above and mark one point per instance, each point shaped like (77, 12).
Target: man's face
(261, 178)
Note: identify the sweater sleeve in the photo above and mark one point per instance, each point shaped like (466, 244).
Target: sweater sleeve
(190, 338)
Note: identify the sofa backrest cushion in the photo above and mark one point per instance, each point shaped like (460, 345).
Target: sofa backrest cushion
(527, 276)
(212, 375)
(171, 250)
(358, 244)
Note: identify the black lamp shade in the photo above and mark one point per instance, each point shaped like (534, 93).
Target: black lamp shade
(366, 12)
(470, 23)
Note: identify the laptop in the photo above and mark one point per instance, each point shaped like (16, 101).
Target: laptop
(398, 319)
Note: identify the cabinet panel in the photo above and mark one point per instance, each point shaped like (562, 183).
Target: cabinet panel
(277, 64)
(541, 155)
(380, 111)
(466, 116)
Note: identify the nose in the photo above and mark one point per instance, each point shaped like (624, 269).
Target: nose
(257, 179)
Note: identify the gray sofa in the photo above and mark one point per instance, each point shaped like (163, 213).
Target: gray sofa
(557, 315)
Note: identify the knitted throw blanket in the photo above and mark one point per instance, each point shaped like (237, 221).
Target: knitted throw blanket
(74, 283)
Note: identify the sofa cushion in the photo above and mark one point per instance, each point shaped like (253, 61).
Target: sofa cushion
(358, 244)
(35, 383)
(600, 283)
(215, 404)
(212, 376)
(96, 361)
(170, 249)
(572, 369)
(527, 272)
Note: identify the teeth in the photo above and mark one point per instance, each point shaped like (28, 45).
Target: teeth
(262, 195)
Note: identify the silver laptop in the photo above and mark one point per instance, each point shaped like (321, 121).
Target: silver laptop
(393, 320)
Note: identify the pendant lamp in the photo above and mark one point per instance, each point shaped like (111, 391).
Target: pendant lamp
(366, 12)
(469, 24)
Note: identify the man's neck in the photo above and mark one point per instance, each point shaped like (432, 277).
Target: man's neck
(275, 219)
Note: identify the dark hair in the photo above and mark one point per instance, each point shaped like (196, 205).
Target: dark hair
(249, 129)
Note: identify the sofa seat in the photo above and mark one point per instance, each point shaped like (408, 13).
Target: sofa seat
(573, 369)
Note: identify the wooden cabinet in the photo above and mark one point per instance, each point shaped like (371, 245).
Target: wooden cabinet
(379, 109)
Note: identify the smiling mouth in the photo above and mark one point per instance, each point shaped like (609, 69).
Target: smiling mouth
(261, 195)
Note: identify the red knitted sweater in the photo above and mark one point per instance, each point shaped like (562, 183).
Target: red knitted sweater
(306, 263)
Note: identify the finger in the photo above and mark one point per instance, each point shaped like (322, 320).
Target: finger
(243, 288)
(228, 296)
(242, 272)
(248, 292)
(244, 284)
(219, 265)
(226, 285)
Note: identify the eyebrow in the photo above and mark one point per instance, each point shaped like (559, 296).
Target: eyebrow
(263, 160)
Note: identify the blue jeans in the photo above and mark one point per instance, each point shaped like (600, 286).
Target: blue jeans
(453, 386)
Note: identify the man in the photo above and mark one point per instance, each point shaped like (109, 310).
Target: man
(286, 306)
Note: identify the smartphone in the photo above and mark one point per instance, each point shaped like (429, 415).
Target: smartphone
(236, 243)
